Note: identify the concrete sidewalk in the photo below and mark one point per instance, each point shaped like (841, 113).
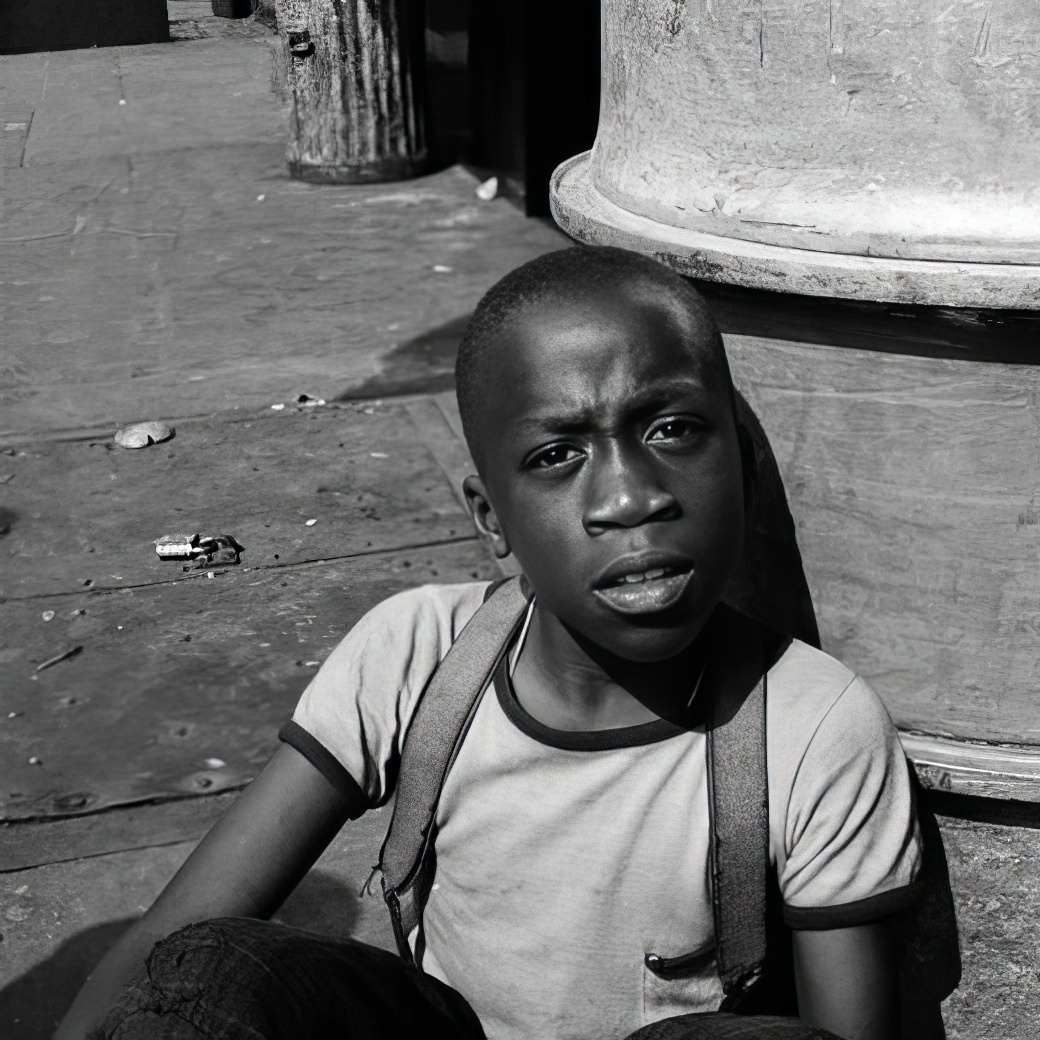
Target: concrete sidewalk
(156, 261)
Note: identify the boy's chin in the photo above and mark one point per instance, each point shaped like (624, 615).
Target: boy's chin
(652, 641)
(654, 648)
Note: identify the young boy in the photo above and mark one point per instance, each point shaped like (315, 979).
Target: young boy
(572, 832)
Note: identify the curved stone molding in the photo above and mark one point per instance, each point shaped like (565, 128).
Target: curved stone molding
(588, 216)
(891, 128)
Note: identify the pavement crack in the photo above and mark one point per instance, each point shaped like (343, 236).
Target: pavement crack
(120, 806)
(195, 575)
(25, 139)
(117, 71)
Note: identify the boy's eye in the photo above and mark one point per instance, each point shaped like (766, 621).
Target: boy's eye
(553, 455)
(672, 429)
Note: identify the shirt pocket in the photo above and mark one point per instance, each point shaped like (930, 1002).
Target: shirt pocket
(680, 985)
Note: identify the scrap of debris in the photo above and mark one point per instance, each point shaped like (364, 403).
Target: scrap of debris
(488, 189)
(58, 658)
(302, 401)
(142, 434)
(220, 550)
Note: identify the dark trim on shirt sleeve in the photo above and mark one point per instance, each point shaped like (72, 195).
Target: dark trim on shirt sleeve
(849, 915)
(319, 756)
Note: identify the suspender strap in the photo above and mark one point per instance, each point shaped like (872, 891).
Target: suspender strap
(434, 735)
(738, 800)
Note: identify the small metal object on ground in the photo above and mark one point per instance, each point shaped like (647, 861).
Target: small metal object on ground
(219, 550)
(142, 434)
(177, 546)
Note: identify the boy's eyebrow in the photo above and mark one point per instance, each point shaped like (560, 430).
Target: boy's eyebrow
(647, 398)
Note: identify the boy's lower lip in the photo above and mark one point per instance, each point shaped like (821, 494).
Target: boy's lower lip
(646, 597)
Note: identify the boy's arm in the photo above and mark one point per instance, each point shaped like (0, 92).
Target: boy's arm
(847, 982)
(246, 866)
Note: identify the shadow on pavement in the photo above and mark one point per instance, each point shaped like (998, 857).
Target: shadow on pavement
(32, 1005)
(424, 364)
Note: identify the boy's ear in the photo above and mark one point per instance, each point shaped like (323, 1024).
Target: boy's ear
(484, 516)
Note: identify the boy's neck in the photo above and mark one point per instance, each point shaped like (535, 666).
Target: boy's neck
(567, 683)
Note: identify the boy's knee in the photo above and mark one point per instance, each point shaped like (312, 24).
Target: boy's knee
(207, 980)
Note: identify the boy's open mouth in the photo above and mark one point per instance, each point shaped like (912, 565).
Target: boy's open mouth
(645, 591)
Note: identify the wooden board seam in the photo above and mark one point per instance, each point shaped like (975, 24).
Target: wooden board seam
(194, 575)
(79, 434)
(970, 768)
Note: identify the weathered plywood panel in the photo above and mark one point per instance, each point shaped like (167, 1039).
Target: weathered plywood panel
(172, 676)
(33, 843)
(914, 483)
(86, 510)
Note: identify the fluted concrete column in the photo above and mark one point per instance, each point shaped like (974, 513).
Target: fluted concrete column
(355, 71)
(886, 150)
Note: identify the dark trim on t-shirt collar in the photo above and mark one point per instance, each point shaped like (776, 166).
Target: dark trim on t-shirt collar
(577, 740)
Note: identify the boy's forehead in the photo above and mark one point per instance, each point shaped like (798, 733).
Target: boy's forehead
(609, 329)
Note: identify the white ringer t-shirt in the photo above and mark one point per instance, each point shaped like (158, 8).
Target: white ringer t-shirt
(563, 858)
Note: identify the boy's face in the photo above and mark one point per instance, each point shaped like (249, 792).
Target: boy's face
(612, 469)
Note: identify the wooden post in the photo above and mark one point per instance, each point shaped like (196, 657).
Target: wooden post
(355, 71)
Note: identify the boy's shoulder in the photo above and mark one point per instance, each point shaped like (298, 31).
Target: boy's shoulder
(806, 678)
(813, 699)
(805, 684)
(426, 618)
(401, 639)
(427, 609)
(434, 600)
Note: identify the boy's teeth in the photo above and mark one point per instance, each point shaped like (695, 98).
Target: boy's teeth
(647, 592)
(650, 575)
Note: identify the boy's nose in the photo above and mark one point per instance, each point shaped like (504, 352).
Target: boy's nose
(624, 491)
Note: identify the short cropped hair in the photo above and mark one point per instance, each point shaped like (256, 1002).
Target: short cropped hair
(559, 275)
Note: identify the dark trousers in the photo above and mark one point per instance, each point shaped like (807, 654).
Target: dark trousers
(240, 979)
